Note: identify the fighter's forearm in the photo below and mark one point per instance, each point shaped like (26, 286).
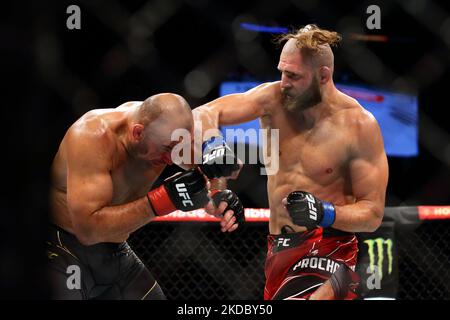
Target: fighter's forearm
(206, 125)
(219, 184)
(206, 122)
(108, 223)
(362, 216)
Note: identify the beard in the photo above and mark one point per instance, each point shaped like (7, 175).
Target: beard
(309, 98)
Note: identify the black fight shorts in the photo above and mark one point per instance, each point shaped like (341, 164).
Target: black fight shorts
(102, 271)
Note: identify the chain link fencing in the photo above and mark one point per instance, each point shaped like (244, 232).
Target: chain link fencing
(196, 261)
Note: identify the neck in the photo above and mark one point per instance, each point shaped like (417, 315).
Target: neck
(124, 136)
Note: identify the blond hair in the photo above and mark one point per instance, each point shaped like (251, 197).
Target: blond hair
(314, 44)
(311, 37)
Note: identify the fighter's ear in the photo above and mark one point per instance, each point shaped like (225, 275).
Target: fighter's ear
(324, 74)
(137, 131)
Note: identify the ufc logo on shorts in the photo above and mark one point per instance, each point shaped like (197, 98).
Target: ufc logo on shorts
(283, 242)
(214, 154)
(312, 207)
(182, 192)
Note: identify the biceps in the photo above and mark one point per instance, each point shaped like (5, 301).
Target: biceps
(227, 110)
(88, 193)
(369, 179)
(239, 108)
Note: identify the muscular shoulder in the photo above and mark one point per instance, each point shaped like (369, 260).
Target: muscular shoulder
(90, 134)
(351, 114)
(363, 129)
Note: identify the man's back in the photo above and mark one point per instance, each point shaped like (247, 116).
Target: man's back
(96, 134)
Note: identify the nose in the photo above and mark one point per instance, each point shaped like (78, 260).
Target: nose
(285, 84)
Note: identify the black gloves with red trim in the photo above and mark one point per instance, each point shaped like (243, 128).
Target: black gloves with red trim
(187, 191)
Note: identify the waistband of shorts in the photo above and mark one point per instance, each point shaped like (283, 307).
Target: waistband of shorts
(297, 238)
(331, 233)
(300, 236)
(59, 236)
(325, 232)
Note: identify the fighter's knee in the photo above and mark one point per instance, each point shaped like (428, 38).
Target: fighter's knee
(344, 282)
(324, 292)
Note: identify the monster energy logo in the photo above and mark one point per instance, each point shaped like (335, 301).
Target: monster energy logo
(379, 243)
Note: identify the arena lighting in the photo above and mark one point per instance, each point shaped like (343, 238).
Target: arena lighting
(351, 36)
(368, 37)
(418, 213)
(261, 28)
(406, 253)
(396, 113)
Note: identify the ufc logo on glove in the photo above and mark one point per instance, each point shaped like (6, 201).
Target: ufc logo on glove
(182, 192)
(219, 152)
(312, 208)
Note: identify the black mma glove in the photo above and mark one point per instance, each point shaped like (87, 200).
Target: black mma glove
(234, 204)
(308, 211)
(183, 191)
(217, 159)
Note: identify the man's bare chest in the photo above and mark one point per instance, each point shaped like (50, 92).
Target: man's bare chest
(319, 153)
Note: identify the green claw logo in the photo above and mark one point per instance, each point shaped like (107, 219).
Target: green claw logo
(379, 243)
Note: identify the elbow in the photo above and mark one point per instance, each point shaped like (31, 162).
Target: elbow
(86, 235)
(85, 226)
(86, 240)
(209, 115)
(375, 218)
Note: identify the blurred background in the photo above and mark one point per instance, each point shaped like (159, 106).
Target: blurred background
(129, 50)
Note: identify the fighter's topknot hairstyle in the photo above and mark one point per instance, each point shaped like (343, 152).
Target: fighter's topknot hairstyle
(311, 37)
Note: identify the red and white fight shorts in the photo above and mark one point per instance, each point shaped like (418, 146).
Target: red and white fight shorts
(298, 263)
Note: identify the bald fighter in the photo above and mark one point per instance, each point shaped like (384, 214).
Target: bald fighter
(101, 177)
(332, 173)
